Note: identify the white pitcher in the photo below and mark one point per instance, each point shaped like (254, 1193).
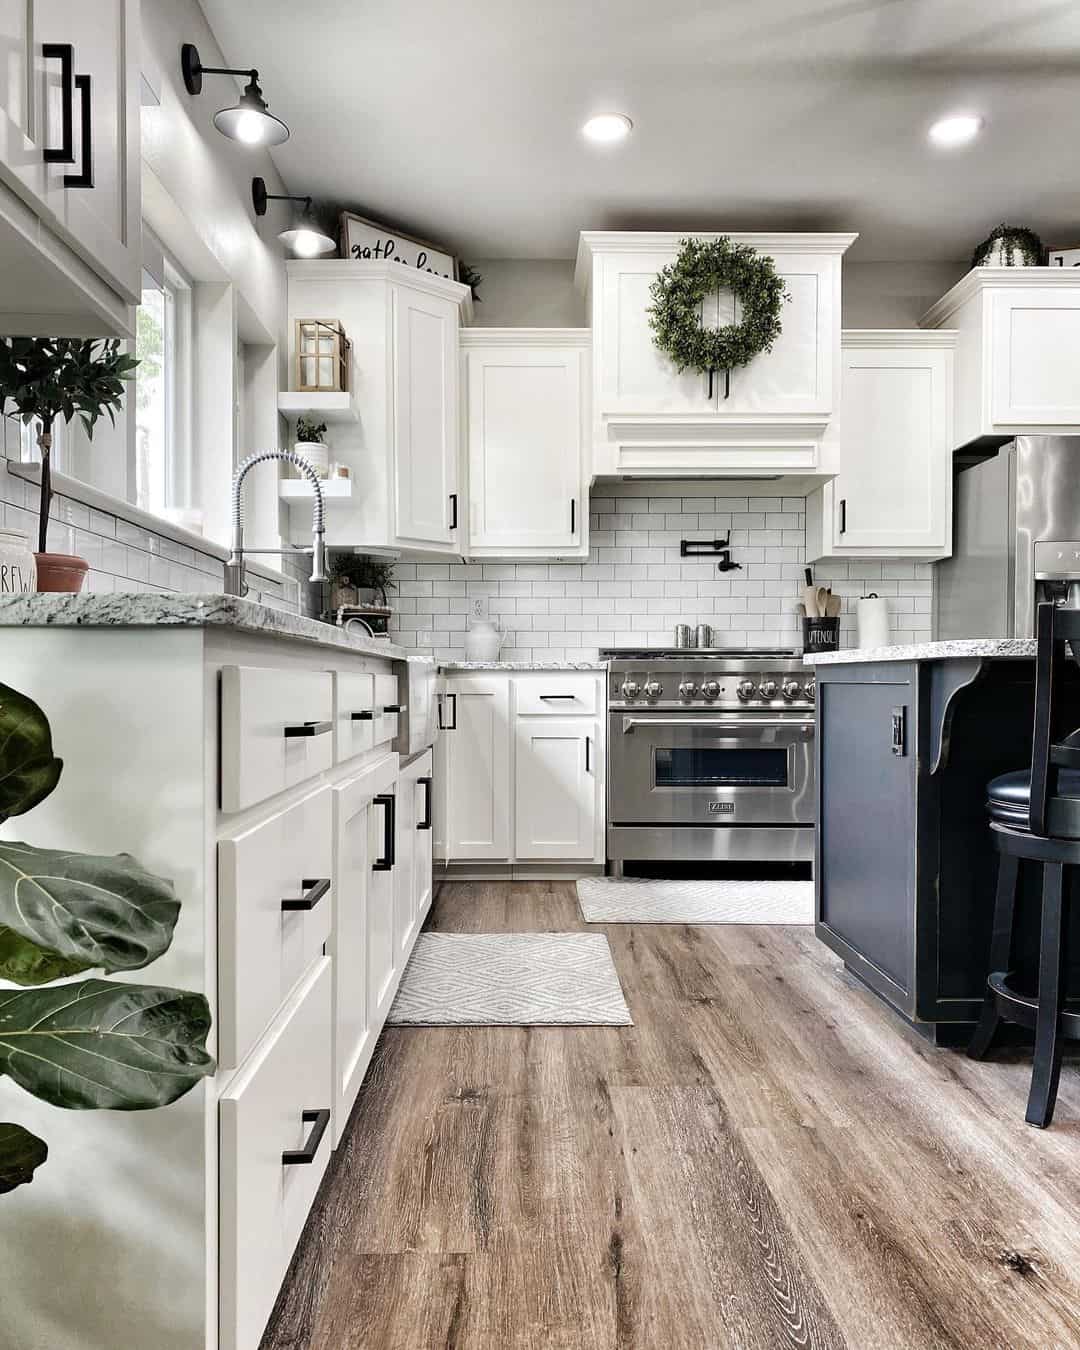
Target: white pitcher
(482, 641)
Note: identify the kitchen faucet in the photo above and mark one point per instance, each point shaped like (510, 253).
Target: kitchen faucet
(234, 568)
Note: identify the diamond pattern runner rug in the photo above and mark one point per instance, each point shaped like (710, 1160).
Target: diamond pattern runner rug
(605, 900)
(510, 979)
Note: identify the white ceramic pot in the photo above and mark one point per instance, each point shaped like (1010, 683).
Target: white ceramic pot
(316, 454)
(482, 641)
(18, 568)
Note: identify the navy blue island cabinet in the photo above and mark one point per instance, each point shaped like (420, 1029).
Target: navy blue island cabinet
(905, 865)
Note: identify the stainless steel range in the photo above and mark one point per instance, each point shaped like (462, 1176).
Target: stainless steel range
(710, 756)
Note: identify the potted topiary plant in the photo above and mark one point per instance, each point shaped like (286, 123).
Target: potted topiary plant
(309, 443)
(84, 1044)
(51, 378)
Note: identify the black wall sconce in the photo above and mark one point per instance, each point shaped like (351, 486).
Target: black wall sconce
(303, 237)
(249, 120)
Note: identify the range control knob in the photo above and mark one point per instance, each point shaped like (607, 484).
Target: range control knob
(810, 688)
(745, 690)
(791, 689)
(767, 689)
(653, 688)
(630, 689)
(711, 689)
(687, 689)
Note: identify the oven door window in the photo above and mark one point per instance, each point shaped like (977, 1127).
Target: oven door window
(713, 767)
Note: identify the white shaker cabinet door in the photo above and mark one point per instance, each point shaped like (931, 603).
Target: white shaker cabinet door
(1035, 375)
(476, 714)
(558, 788)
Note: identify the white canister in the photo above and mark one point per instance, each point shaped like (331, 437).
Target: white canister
(482, 641)
(18, 570)
(316, 454)
(872, 616)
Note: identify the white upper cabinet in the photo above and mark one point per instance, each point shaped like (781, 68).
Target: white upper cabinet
(403, 445)
(525, 433)
(69, 167)
(1018, 332)
(770, 414)
(890, 446)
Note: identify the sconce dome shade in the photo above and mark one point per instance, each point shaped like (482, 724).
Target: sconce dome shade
(307, 241)
(251, 123)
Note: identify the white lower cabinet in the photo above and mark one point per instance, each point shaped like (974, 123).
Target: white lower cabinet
(412, 852)
(520, 769)
(275, 1145)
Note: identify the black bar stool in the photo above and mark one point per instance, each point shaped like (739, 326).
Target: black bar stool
(1035, 815)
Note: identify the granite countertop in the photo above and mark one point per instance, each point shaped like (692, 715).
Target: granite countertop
(181, 610)
(522, 665)
(928, 651)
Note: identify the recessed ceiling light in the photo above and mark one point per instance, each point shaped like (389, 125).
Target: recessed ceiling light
(607, 127)
(956, 130)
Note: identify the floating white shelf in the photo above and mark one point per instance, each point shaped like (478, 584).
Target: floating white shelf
(299, 489)
(330, 407)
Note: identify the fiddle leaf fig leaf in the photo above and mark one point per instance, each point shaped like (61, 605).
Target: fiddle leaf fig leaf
(28, 768)
(99, 1045)
(84, 911)
(23, 962)
(20, 1153)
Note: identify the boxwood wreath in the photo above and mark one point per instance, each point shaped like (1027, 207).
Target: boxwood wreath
(704, 266)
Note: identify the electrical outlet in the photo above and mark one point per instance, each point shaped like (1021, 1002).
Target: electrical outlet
(479, 607)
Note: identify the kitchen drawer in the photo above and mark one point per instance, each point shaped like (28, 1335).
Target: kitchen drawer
(386, 696)
(275, 731)
(274, 908)
(558, 695)
(264, 1199)
(354, 716)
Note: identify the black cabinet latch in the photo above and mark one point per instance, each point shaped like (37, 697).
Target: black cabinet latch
(898, 728)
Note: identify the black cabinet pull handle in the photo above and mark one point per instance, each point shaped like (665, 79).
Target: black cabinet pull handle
(425, 824)
(588, 754)
(556, 698)
(319, 1121)
(365, 715)
(843, 514)
(393, 707)
(453, 510)
(447, 726)
(727, 383)
(573, 515)
(710, 386)
(314, 890)
(308, 729)
(85, 177)
(898, 731)
(385, 864)
(63, 52)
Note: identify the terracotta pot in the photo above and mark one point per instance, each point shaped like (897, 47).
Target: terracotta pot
(60, 572)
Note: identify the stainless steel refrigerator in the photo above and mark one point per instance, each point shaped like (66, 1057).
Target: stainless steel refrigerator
(1016, 540)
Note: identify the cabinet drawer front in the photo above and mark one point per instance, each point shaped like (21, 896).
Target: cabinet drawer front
(274, 916)
(264, 1200)
(559, 695)
(386, 696)
(275, 731)
(354, 716)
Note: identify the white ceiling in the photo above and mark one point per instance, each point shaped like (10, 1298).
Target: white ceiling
(460, 121)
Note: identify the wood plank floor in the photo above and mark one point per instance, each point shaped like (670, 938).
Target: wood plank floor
(767, 1158)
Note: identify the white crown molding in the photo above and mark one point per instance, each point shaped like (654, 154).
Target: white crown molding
(918, 338)
(526, 337)
(351, 269)
(996, 278)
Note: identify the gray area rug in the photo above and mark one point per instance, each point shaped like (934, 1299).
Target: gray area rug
(605, 900)
(510, 979)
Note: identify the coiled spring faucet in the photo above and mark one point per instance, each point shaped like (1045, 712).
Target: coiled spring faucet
(234, 568)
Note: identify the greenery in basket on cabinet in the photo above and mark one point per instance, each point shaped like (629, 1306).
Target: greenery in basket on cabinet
(62, 914)
(50, 378)
(1007, 244)
(704, 266)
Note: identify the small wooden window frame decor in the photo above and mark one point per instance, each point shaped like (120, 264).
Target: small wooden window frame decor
(322, 357)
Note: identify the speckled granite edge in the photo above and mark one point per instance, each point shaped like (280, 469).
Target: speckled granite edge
(927, 651)
(453, 666)
(175, 610)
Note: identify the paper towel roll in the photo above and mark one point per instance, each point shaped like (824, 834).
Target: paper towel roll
(872, 616)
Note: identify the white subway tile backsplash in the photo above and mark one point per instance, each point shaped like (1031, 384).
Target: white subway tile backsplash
(635, 586)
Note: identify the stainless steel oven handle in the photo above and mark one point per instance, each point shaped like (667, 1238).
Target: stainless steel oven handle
(714, 724)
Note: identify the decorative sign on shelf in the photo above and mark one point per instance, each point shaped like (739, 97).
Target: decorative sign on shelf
(366, 240)
(1064, 257)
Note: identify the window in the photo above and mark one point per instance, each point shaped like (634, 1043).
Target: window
(163, 385)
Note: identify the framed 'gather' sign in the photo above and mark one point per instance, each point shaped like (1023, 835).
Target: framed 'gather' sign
(367, 240)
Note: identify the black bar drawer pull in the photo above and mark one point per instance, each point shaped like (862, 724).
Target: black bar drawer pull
(898, 720)
(557, 698)
(63, 52)
(843, 515)
(453, 510)
(385, 864)
(588, 754)
(309, 729)
(573, 515)
(314, 890)
(393, 707)
(365, 715)
(85, 177)
(425, 824)
(447, 726)
(319, 1121)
